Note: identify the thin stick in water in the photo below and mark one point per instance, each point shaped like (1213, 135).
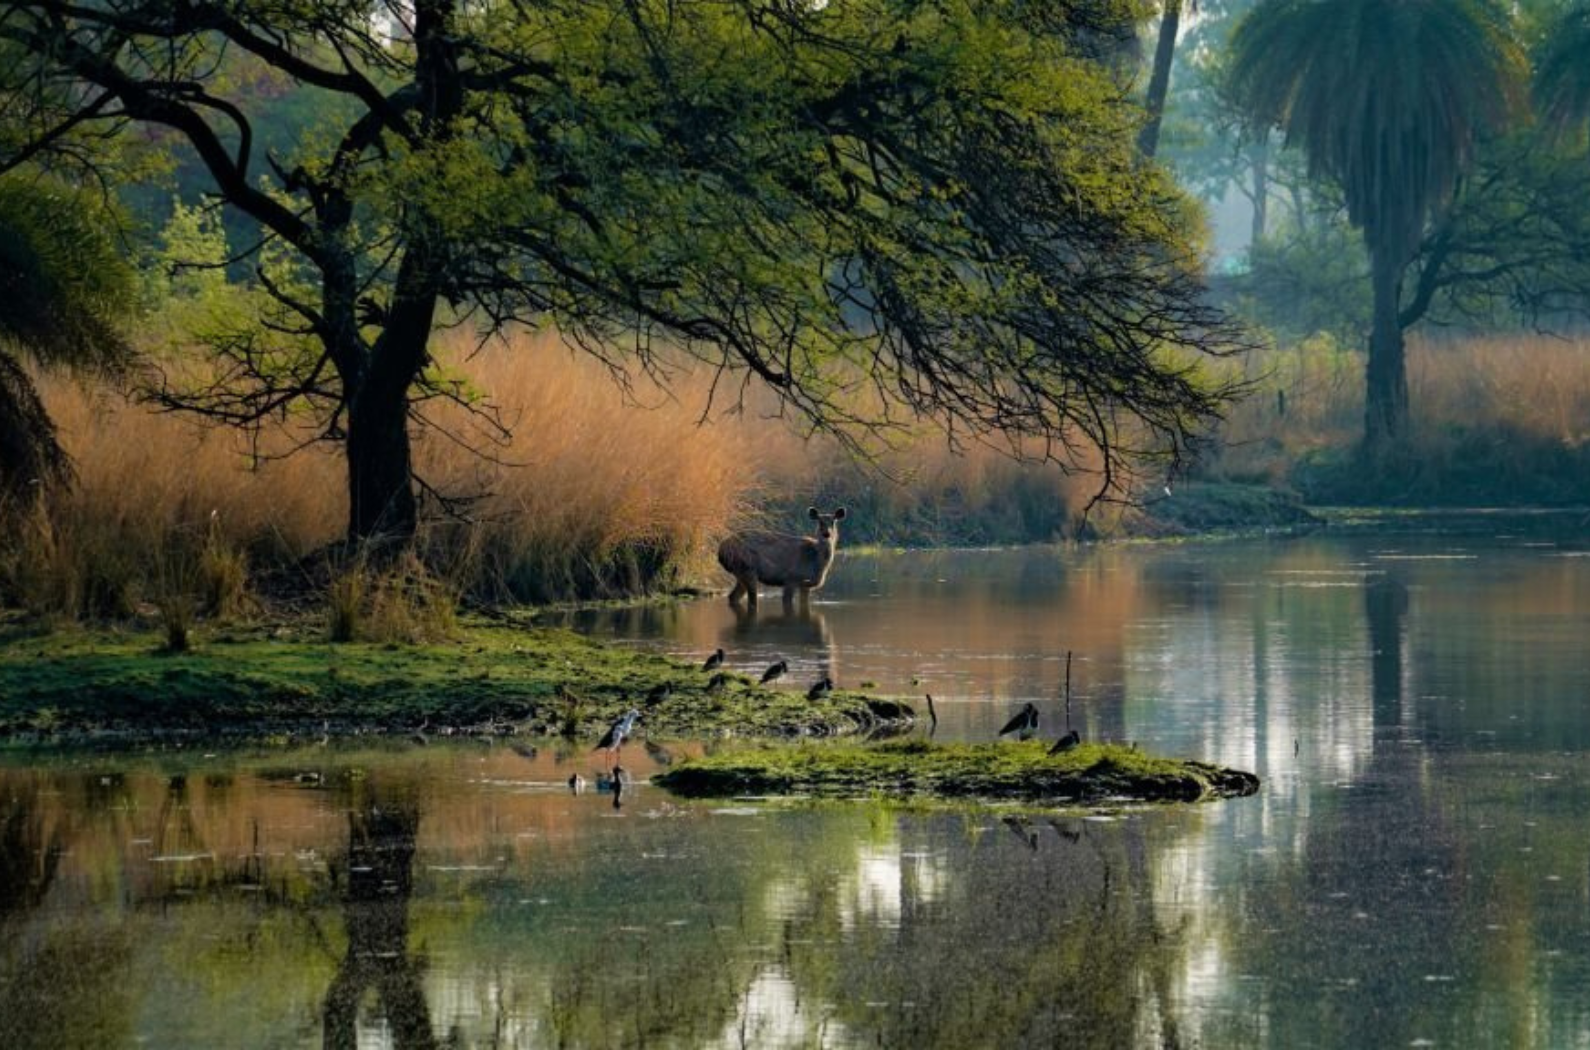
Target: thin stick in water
(1068, 690)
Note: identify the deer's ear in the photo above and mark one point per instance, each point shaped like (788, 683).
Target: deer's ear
(811, 512)
(839, 513)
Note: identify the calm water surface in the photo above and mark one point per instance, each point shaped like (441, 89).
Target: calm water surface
(1414, 872)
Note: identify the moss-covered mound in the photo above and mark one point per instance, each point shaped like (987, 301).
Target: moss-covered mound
(918, 768)
(492, 678)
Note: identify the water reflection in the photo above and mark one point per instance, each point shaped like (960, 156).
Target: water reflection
(377, 879)
(1414, 870)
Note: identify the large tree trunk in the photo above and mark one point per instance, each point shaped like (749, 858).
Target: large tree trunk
(1386, 378)
(1159, 80)
(381, 504)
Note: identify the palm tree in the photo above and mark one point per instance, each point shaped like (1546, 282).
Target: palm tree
(1388, 99)
(63, 289)
(1562, 71)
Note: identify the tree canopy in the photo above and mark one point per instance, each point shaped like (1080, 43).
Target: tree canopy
(1389, 99)
(885, 211)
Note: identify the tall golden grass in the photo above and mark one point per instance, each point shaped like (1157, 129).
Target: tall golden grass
(592, 494)
(1497, 418)
(603, 493)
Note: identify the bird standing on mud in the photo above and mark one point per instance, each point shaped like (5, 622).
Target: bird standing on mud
(613, 739)
(714, 661)
(1024, 724)
(776, 671)
(1066, 743)
(820, 689)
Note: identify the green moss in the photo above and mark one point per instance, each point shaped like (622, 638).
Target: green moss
(917, 768)
(492, 678)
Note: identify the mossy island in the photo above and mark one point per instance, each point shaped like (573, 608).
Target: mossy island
(920, 769)
(491, 679)
(284, 682)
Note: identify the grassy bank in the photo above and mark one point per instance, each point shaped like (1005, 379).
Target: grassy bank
(920, 769)
(495, 679)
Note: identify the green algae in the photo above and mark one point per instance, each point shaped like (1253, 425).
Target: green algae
(1024, 772)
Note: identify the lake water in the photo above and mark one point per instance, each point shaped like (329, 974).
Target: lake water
(1415, 870)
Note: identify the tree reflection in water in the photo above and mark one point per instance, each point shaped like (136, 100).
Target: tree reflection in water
(378, 880)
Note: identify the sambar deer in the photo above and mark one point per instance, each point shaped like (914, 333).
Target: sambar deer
(795, 563)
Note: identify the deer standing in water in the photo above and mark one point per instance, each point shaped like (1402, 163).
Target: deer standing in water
(795, 563)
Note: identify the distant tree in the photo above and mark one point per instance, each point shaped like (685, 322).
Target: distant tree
(65, 295)
(1389, 99)
(932, 208)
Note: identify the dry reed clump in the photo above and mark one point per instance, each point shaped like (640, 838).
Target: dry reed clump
(164, 511)
(597, 494)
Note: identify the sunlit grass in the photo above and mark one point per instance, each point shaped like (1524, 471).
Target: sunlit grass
(1498, 419)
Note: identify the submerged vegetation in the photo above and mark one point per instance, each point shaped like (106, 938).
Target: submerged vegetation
(921, 769)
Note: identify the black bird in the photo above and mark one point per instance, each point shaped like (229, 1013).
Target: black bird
(613, 739)
(776, 671)
(820, 689)
(1024, 724)
(659, 693)
(1066, 743)
(719, 680)
(714, 661)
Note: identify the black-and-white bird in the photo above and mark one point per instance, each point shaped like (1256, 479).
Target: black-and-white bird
(1066, 743)
(776, 671)
(659, 693)
(613, 739)
(1024, 724)
(820, 689)
(576, 784)
(714, 661)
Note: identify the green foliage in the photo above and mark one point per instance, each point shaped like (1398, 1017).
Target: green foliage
(65, 299)
(1304, 284)
(1394, 134)
(1562, 71)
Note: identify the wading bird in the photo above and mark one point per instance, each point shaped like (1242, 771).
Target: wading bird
(613, 740)
(820, 689)
(659, 693)
(1066, 743)
(776, 671)
(1024, 724)
(714, 661)
(719, 680)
